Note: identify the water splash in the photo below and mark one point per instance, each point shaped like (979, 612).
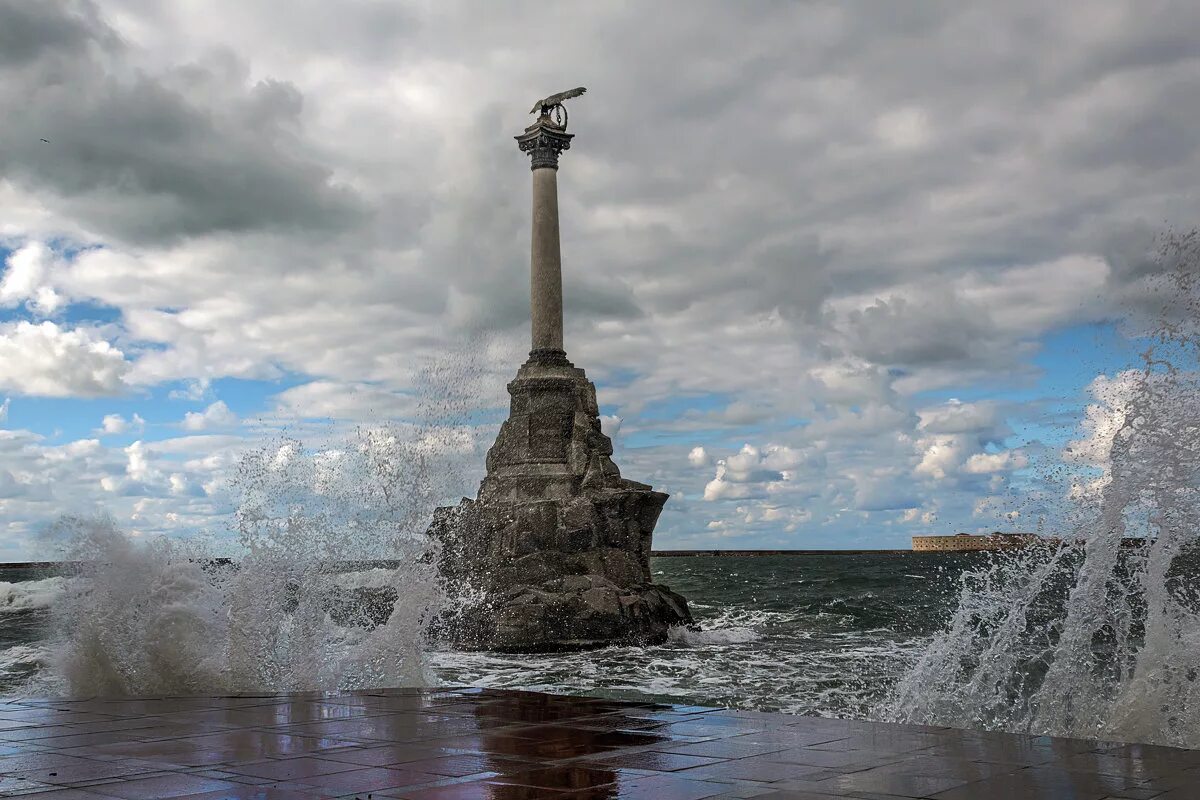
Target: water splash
(291, 613)
(295, 610)
(1097, 639)
(332, 584)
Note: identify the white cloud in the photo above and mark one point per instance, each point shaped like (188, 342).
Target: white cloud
(336, 400)
(852, 381)
(956, 439)
(611, 424)
(996, 508)
(926, 516)
(753, 471)
(719, 488)
(866, 420)
(955, 416)
(1037, 297)
(882, 489)
(217, 415)
(940, 455)
(137, 465)
(44, 359)
(27, 279)
(749, 465)
(1103, 418)
(114, 424)
(698, 457)
(194, 390)
(985, 463)
(41, 480)
(789, 518)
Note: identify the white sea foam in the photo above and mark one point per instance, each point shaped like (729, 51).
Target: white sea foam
(713, 617)
(31, 594)
(708, 636)
(23, 659)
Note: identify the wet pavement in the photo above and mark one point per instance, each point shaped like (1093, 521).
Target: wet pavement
(507, 745)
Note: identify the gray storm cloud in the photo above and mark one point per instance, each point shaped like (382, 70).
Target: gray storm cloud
(812, 212)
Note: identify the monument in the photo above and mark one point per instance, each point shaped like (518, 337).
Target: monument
(554, 552)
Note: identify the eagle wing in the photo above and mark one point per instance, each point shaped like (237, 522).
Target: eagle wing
(555, 99)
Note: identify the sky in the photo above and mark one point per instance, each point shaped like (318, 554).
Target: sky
(843, 273)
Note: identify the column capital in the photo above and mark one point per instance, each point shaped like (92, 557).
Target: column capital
(544, 140)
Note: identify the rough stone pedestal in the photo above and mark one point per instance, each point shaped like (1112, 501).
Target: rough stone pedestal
(554, 554)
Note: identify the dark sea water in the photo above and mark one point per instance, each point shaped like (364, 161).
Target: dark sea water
(25, 599)
(811, 634)
(824, 634)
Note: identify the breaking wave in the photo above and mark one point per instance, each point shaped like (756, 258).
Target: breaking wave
(31, 594)
(164, 616)
(327, 580)
(1097, 638)
(21, 662)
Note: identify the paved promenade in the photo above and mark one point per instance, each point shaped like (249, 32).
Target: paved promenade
(503, 745)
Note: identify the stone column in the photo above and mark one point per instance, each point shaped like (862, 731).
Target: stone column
(544, 140)
(545, 267)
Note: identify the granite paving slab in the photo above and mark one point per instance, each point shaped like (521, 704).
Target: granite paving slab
(492, 744)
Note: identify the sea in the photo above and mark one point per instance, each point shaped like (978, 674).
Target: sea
(812, 634)
(806, 634)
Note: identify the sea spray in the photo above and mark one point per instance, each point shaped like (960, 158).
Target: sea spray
(302, 520)
(162, 616)
(1096, 638)
(331, 583)
(138, 618)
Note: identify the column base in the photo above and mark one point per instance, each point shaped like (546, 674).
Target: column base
(551, 357)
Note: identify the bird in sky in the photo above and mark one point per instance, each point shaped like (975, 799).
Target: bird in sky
(47, 141)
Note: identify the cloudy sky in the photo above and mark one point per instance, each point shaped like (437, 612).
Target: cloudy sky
(842, 272)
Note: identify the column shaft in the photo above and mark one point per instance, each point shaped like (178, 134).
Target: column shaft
(546, 263)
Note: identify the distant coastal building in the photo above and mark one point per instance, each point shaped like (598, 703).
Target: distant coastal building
(962, 542)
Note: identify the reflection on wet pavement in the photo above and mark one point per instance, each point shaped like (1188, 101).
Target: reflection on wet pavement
(438, 744)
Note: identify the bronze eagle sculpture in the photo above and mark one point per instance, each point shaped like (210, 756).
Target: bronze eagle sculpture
(555, 100)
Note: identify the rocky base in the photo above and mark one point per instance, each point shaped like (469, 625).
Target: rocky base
(554, 554)
(579, 612)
